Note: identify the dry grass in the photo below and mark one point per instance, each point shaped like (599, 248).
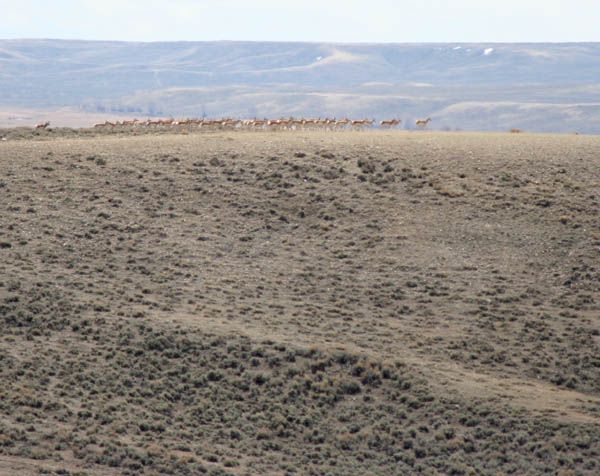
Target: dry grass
(299, 303)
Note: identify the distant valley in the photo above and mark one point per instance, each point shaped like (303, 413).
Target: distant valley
(488, 87)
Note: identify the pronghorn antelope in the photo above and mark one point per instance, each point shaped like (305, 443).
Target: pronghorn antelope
(324, 123)
(104, 124)
(278, 124)
(309, 123)
(132, 123)
(43, 125)
(230, 123)
(342, 123)
(227, 123)
(422, 123)
(361, 123)
(297, 123)
(258, 123)
(389, 123)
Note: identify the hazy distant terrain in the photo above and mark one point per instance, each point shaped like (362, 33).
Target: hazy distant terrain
(537, 87)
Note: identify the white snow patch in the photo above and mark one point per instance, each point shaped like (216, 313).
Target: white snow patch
(539, 53)
(488, 51)
(457, 48)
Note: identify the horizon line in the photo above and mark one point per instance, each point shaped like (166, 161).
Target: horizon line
(307, 41)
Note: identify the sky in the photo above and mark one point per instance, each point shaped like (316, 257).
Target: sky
(304, 20)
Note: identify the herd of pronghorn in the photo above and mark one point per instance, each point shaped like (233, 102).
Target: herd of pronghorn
(256, 124)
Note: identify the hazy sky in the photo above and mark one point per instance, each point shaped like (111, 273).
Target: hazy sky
(304, 20)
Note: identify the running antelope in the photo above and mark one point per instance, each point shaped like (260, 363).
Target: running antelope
(342, 123)
(422, 123)
(389, 123)
(43, 125)
(360, 123)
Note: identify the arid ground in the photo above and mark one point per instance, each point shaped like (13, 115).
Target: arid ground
(304, 303)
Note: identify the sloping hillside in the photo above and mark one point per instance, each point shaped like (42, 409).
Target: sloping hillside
(241, 303)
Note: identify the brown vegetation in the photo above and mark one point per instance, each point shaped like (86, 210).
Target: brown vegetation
(260, 303)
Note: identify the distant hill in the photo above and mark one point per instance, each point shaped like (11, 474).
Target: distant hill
(536, 87)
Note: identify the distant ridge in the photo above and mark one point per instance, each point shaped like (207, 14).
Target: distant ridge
(496, 86)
